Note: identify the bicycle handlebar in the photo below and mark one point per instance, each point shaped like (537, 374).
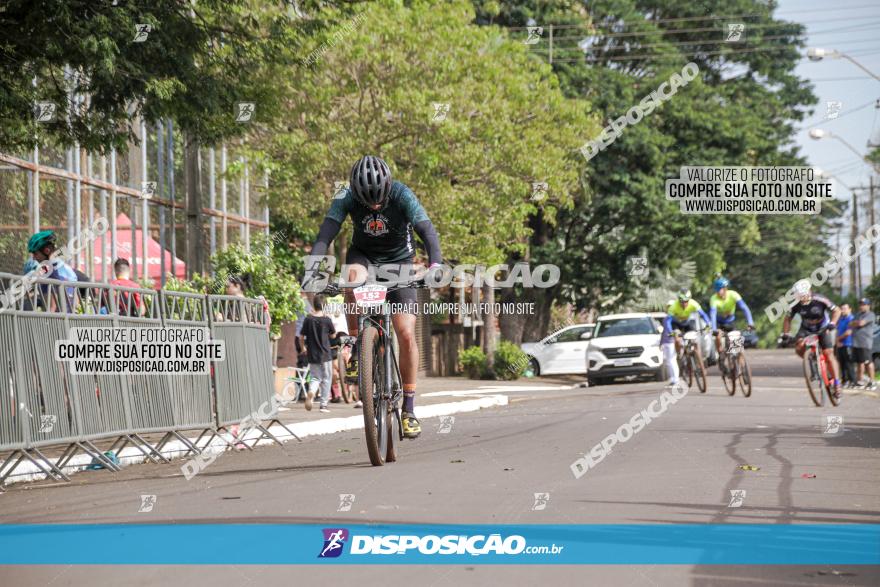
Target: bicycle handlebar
(334, 289)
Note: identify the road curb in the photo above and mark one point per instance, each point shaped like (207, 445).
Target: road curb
(176, 449)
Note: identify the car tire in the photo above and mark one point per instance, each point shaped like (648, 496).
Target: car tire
(535, 366)
(594, 381)
(660, 374)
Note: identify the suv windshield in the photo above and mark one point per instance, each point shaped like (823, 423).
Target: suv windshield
(625, 326)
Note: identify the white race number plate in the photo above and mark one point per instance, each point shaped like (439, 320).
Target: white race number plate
(370, 295)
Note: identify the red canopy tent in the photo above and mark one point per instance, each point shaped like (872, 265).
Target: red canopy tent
(124, 249)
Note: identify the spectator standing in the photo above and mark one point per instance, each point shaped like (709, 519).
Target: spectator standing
(129, 303)
(302, 360)
(317, 330)
(42, 245)
(863, 341)
(844, 346)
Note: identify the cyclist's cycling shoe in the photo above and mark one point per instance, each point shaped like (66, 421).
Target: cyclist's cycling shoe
(411, 426)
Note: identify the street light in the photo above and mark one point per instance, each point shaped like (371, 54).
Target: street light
(817, 54)
(819, 133)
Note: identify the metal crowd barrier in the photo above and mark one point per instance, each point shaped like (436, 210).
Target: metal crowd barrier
(243, 324)
(43, 404)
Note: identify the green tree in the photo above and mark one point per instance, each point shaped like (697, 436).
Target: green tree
(740, 111)
(268, 274)
(198, 60)
(508, 126)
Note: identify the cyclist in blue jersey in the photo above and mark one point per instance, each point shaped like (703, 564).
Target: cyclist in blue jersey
(722, 313)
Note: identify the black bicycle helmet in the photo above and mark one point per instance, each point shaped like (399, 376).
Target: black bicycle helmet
(371, 181)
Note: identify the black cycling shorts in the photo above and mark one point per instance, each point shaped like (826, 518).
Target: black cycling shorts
(826, 339)
(406, 296)
(684, 326)
(727, 327)
(861, 355)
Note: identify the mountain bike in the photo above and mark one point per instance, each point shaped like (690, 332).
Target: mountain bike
(379, 381)
(733, 365)
(817, 372)
(690, 360)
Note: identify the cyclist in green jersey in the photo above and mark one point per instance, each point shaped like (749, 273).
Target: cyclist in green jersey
(722, 312)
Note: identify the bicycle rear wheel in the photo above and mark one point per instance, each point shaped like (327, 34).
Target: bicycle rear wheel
(684, 369)
(829, 389)
(343, 384)
(371, 385)
(728, 374)
(744, 374)
(813, 378)
(699, 369)
(393, 427)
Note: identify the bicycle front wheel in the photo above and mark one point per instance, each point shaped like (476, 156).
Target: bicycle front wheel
(371, 386)
(744, 374)
(813, 377)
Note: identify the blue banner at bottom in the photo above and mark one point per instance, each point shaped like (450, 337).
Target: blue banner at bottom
(279, 544)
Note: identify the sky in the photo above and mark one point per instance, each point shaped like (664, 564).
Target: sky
(851, 27)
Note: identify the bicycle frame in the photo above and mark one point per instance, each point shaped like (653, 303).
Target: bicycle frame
(382, 322)
(811, 345)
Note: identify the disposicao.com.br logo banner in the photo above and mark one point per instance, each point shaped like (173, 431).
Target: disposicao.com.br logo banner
(475, 544)
(383, 544)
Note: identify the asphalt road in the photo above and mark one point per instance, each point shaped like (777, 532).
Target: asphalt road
(486, 469)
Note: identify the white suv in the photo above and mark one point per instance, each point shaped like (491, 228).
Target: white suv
(625, 345)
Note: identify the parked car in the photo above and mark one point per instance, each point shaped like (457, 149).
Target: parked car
(561, 352)
(625, 345)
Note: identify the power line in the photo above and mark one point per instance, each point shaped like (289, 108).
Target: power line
(683, 53)
(841, 115)
(729, 17)
(869, 51)
(736, 18)
(662, 32)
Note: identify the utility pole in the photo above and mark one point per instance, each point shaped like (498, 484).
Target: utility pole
(551, 45)
(871, 216)
(840, 273)
(854, 264)
(193, 179)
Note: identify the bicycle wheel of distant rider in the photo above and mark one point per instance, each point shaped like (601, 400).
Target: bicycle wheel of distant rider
(684, 369)
(744, 375)
(728, 378)
(834, 400)
(699, 369)
(343, 384)
(813, 378)
(371, 387)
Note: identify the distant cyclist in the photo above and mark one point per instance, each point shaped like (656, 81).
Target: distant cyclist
(678, 317)
(814, 310)
(384, 214)
(680, 310)
(722, 312)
